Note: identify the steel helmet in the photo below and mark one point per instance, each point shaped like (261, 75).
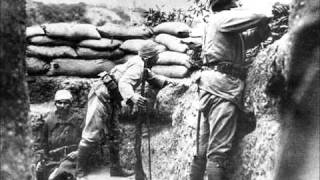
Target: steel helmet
(148, 50)
(216, 5)
(63, 94)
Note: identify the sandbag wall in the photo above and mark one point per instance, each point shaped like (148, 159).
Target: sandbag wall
(85, 50)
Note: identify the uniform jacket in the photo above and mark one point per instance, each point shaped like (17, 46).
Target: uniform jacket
(226, 37)
(59, 131)
(128, 77)
(63, 130)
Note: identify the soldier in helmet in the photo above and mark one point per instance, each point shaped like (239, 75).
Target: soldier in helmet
(115, 89)
(228, 33)
(59, 133)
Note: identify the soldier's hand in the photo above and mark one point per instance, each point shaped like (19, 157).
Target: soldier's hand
(138, 100)
(73, 154)
(174, 82)
(137, 109)
(40, 166)
(149, 73)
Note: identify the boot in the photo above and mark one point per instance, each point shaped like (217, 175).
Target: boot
(115, 168)
(84, 153)
(198, 168)
(214, 171)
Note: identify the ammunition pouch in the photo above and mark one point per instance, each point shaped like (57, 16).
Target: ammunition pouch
(112, 86)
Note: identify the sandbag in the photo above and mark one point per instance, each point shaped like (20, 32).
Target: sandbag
(71, 31)
(178, 29)
(34, 31)
(102, 43)
(76, 67)
(174, 58)
(87, 53)
(36, 66)
(134, 45)
(47, 41)
(172, 71)
(123, 32)
(51, 52)
(171, 42)
(124, 59)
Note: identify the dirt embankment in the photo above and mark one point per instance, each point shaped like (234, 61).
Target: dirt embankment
(174, 115)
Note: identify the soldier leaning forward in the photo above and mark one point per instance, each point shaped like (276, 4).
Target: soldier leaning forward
(104, 102)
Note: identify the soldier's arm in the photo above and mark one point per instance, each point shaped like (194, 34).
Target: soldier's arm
(160, 81)
(155, 80)
(130, 79)
(253, 37)
(237, 21)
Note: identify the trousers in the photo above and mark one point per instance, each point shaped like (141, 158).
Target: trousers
(102, 119)
(218, 126)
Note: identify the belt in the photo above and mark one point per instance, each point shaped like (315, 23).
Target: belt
(227, 68)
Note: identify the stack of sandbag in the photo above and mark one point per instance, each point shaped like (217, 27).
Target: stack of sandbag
(85, 50)
(176, 61)
(77, 49)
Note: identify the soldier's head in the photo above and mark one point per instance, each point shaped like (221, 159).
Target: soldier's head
(63, 100)
(149, 54)
(219, 5)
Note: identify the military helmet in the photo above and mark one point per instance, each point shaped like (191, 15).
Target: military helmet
(148, 50)
(63, 94)
(216, 5)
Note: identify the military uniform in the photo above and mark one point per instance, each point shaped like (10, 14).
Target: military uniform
(227, 35)
(104, 107)
(58, 136)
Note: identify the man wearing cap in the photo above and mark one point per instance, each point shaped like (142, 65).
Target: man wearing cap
(228, 33)
(59, 134)
(115, 89)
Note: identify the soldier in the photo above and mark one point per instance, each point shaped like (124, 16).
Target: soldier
(221, 82)
(58, 134)
(104, 102)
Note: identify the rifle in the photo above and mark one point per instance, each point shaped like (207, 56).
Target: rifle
(139, 173)
(65, 149)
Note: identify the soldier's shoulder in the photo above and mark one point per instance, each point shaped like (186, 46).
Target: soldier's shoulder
(136, 60)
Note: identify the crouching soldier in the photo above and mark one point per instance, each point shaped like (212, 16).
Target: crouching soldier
(104, 102)
(57, 135)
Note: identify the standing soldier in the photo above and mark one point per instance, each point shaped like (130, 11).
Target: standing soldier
(222, 82)
(57, 135)
(105, 100)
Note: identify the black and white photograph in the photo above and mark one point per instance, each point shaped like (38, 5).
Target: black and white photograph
(159, 89)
